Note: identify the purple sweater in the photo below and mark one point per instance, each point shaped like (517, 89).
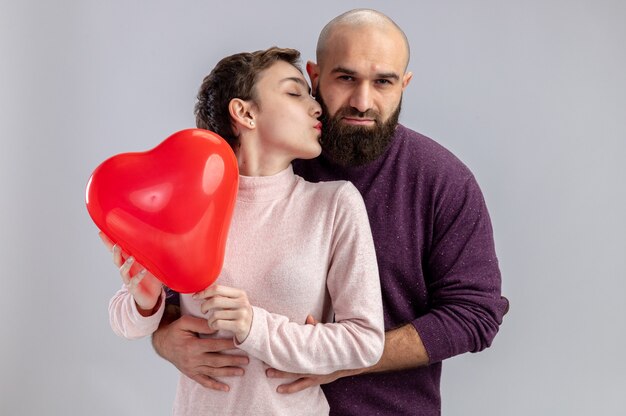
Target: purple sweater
(437, 265)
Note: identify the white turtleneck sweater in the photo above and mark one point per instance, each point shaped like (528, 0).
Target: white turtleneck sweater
(296, 248)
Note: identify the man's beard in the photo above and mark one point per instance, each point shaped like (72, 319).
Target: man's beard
(355, 145)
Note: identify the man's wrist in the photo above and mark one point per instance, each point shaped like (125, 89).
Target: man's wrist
(171, 313)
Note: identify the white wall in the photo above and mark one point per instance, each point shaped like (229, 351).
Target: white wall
(530, 94)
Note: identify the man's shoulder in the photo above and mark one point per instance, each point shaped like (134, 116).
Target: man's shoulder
(418, 151)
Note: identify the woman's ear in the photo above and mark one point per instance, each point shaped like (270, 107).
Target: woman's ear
(241, 114)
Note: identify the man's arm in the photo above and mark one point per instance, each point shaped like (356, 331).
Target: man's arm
(403, 349)
(177, 340)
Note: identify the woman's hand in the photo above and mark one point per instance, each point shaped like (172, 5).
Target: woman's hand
(141, 284)
(230, 308)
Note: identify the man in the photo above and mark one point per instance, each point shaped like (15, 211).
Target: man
(434, 243)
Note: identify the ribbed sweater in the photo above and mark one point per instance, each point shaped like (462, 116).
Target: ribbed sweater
(296, 248)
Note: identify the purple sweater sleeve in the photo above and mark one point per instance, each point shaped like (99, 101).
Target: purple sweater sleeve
(464, 277)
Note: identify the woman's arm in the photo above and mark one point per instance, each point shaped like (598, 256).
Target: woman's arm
(355, 339)
(136, 309)
(128, 321)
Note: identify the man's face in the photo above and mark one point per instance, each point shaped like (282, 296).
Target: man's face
(359, 82)
(354, 145)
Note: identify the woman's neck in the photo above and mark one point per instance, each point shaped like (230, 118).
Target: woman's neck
(254, 162)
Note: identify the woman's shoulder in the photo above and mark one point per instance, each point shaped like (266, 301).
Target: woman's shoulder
(340, 191)
(329, 187)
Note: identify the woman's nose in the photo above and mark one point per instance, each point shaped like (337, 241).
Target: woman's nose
(316, 109)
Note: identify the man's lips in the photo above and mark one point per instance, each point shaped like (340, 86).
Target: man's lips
(357, 121)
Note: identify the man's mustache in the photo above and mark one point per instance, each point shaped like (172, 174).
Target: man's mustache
(354, 113)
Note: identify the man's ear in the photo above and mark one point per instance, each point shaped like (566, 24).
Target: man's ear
(240, 113)
(406, 79)
(314, 74)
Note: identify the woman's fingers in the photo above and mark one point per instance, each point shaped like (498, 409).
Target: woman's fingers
(230, 308)
(218, 290)
(222, 297)
(225, 325)
(136, 279)
(225, 315)
(132, 272)
(222, 302)
(237, 321)
(117, 255)
(125, 267)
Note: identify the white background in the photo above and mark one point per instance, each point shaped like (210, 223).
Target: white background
(530, 94)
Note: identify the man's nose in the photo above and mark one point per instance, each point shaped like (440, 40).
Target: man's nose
(361, 98)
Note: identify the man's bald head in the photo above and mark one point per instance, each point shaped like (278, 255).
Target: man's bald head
(359, 19)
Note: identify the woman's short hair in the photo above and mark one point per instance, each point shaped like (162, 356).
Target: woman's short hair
(235, 77)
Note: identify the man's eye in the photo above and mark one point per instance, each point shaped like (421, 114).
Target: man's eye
(383, 81)
(346, 78)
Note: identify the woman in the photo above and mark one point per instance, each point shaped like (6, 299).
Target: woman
(294, 248)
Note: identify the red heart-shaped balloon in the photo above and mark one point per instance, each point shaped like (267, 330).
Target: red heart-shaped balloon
(170, 207)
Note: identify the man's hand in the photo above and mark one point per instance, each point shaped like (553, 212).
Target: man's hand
(304, 381)
(197, 358)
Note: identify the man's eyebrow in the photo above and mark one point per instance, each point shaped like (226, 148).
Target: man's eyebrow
(380, 75)
(342, 70)
(298, 81)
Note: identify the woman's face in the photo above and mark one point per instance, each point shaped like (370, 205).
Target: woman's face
(286, 114)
